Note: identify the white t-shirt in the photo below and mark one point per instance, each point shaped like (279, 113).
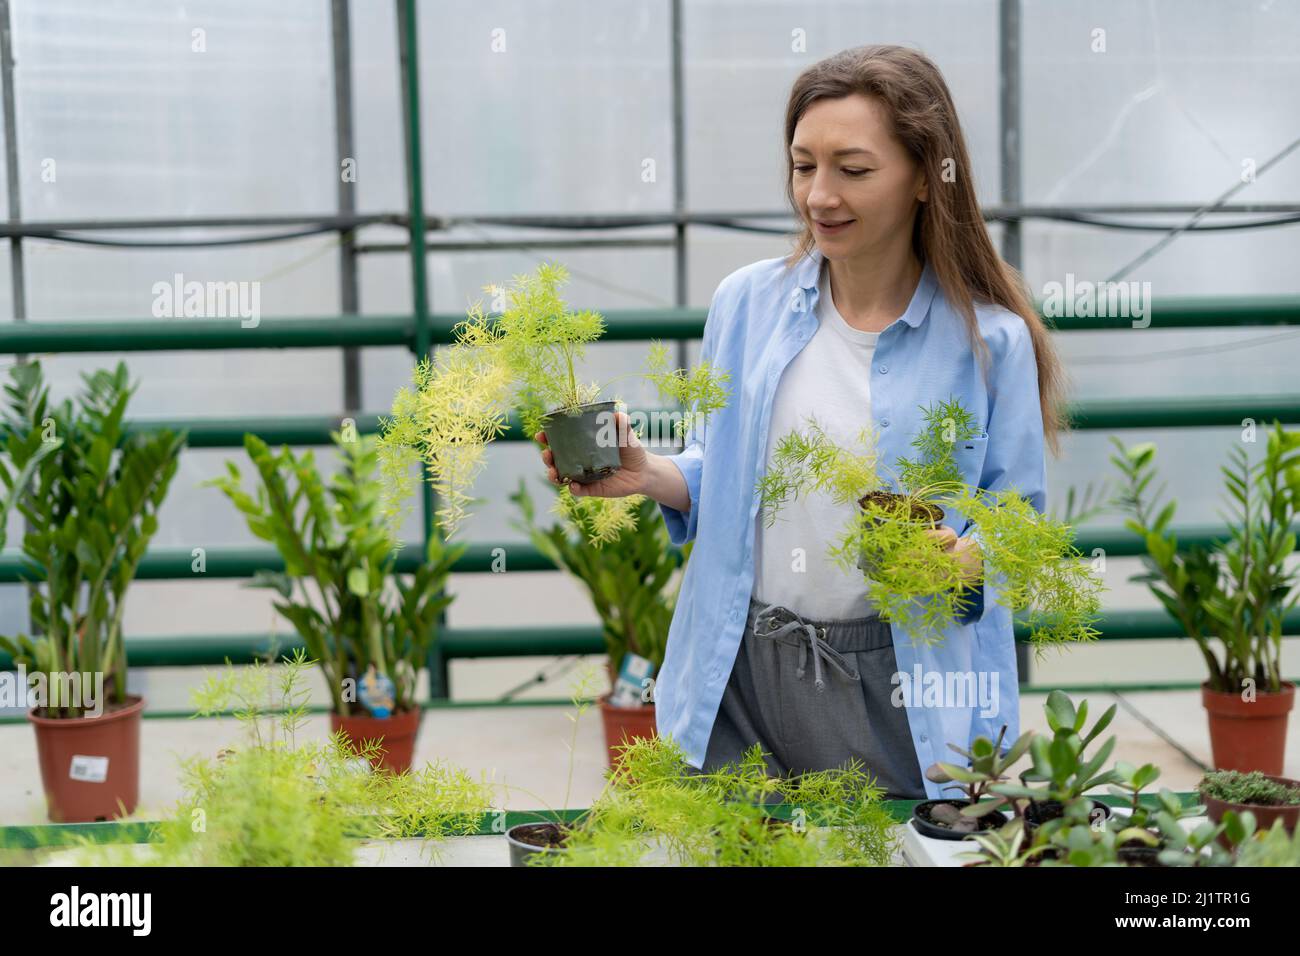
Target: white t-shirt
(829, 379)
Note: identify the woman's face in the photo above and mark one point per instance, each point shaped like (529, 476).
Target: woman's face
(849, 168)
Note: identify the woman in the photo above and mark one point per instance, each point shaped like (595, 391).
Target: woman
(893, 298)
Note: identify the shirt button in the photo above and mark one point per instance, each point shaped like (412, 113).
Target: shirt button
(884, 369)
(924, 738)
(884, 423)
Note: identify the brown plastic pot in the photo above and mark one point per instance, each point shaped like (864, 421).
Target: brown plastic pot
(921, 512)
(107, 784)
(1248, 735)
(1265, 814)
(624, 724)
(396, 735)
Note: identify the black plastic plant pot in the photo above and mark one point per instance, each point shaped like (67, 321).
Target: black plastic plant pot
(924, 824)
(528, 839)
(1040, 811)
(924, 513)
(574, 437)
(1139, 855)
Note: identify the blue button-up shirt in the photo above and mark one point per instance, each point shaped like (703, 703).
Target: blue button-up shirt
(761, 316)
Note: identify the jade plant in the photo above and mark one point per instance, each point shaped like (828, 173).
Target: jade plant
(1150, 831)
(630, 579)
(1240, 590)
(90, 492)
(734, 815)
(526, 358)
(986, 764)
(359, 620)
(1059, 763)
(275, 800)
(911, 577)
(1271, 847)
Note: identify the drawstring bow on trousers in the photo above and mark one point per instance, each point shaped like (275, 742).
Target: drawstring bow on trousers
(814, 640)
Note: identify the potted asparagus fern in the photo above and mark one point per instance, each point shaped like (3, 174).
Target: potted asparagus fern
(655, 806)
(369, 630)
(911, 577)
(91, 494)
(526, 358)
(273, 799)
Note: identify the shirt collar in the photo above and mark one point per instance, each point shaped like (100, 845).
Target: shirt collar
(808, 274)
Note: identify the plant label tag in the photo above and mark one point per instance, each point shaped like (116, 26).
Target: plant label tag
(631, 677)
(89, 769)
(376, 692)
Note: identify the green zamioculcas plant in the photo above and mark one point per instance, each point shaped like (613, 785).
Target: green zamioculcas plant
(912, 579)
(526, 358)
(1240, 590)
(338, 588)
(627, 578)
(275, 800)
(91, 493)
(736, 815)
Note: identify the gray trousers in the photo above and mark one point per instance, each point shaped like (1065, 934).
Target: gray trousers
(813, 694)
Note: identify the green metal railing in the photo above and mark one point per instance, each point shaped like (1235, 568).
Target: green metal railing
(421, 330)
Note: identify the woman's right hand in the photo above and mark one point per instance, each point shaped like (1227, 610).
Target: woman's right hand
(628, 480)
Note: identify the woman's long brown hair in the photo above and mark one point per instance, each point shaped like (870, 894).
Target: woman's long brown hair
(949, 233)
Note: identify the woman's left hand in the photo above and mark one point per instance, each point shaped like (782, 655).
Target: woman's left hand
(967, 551)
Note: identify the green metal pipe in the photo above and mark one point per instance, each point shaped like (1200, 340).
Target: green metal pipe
(153, 335)
(1093, 415)
(489, 642)
(161, 564)
(1183, 412)
(622, 325)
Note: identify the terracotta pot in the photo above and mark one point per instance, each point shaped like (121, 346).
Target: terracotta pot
(90, 766)
(1245, 735)
(1264, 814)
(396, 735)
(625, 723)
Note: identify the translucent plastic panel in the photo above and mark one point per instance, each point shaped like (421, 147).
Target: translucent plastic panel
(743, 57)
(1162, 101)
(527, 111)
(129, 109)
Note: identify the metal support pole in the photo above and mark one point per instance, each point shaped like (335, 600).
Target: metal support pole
(348, 298)
(408, 45)
(1009, 121)
(13, 183)
(1011, 145)
(679, 174)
